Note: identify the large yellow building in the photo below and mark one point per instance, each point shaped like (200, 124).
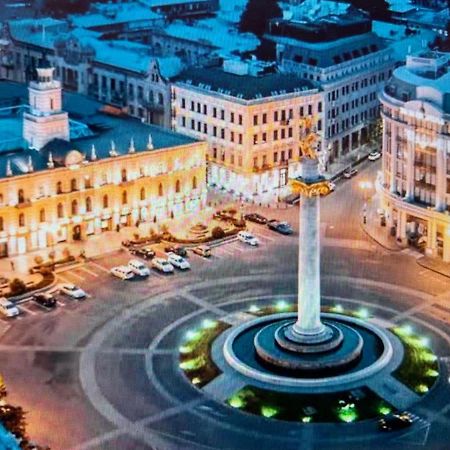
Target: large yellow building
(64, 179)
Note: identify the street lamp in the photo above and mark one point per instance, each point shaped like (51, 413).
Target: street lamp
(365, 186)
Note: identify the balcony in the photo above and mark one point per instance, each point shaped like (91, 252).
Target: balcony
(151, 105)
(263, 168)
(23, 203)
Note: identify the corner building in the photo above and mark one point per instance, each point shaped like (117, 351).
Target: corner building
(65, 179)
(415, 188)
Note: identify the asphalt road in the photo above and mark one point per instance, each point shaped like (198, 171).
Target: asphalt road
(101, 373)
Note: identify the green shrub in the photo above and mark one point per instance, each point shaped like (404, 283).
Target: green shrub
(17, 286)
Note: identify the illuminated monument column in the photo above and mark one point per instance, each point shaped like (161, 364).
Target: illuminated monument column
(310, 185)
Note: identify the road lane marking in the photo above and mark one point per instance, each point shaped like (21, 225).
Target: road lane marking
(90, 272)
(29, 311)
(77, 276)
(100, 267)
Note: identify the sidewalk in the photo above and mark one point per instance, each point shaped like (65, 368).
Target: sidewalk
(352, 159)
(435, 265)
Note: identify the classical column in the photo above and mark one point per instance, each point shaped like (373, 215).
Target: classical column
(310, 185)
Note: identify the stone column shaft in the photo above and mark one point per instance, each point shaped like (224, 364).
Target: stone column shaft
(309, 268)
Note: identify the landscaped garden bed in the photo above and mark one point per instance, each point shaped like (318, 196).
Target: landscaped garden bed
(419, 369)
(345, 407)
(195, 352)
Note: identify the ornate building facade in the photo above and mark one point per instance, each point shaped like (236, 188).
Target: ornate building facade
(120, 173)
(252, 123)
(415, 186)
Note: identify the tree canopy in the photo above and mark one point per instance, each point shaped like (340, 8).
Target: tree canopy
(257, 15)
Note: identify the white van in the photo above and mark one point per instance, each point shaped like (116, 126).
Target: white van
(7, 308)
(139, 268)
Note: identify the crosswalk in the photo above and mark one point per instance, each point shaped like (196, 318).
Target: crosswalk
(411, 252)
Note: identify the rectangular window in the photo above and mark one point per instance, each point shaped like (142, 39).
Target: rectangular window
(222, 114)
(183, 102)
(240, 139)
(192, 124)
(192, 106)
(205, 128)
(214, 112)
(275, 116)
(264, 118)
(183, 121)
(222, 133)
(215, 131)
(255, 120)
(275, 157)
(275, 135)
(232, 136)
(232, 117)
(255, 139)
(240, 119)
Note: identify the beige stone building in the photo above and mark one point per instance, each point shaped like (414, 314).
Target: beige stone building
(415, 186)
(251, 121)
(112, 171)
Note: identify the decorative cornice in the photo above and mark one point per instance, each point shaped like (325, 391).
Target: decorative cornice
(315, 189)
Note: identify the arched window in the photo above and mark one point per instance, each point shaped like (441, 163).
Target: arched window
(60, 211)
(21, 196)
(142, 194)
(2, 225)
(74, 207)
(21, 220)
(73, 184)
(160, 190)
(89, 204)
(160, 99)
(124, 197)
(42, 215)
(105, 201)
(194, 183)
(59, 187)
(124, 174)
(177, 186)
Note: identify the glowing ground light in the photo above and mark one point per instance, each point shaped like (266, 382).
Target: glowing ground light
(428, 357)
(432, 373)
(281, 305)
(193, 335)
(422, 388)
(337, 309)
(363, 313)
(406, 330)
(192, 364)
(196, 380)
(208, 324)
(269, 411)
(424, 342)
(306, 419)
(184, 349)
(384, 410)
(347, 413)
(253, 309)
(236, 402)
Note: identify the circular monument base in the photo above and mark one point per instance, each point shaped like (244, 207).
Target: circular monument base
(262, 350)
(275, 348)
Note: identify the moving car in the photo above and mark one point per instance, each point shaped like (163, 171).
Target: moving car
(178, 261)
(139, 268)
(202, 250)
(374, 156)
(395, 421)
(255, 217)
(7, 308)
(146, 253)
(72, 291)
(46, 300)
(162, 265)
(349, 173)
(181, 251)
(247, 238)
(280, 227)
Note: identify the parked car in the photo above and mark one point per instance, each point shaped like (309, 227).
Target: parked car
(44, 299)
(202, 250)
(72, 291)
(292, 199)
(280, 227)
(396, 421)
(127, 243)
(8, 308)
(181, 251)
(349, 173)
(162, 265)
(255, 217)
(122, 272)
(374, 156)
(146, 253)
(178, 261)
(247, 238)
(139, 268)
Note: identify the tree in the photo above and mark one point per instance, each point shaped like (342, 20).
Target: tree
(257, 15)
(17, 286)
(218, 233)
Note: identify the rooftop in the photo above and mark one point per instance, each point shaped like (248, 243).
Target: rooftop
(246, 87)
(97, 129)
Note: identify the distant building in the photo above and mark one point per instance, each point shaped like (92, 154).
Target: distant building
(63, 179)
(252, 122)
(339, 53)
(123, 74)
(415, 189)
(177, 9)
